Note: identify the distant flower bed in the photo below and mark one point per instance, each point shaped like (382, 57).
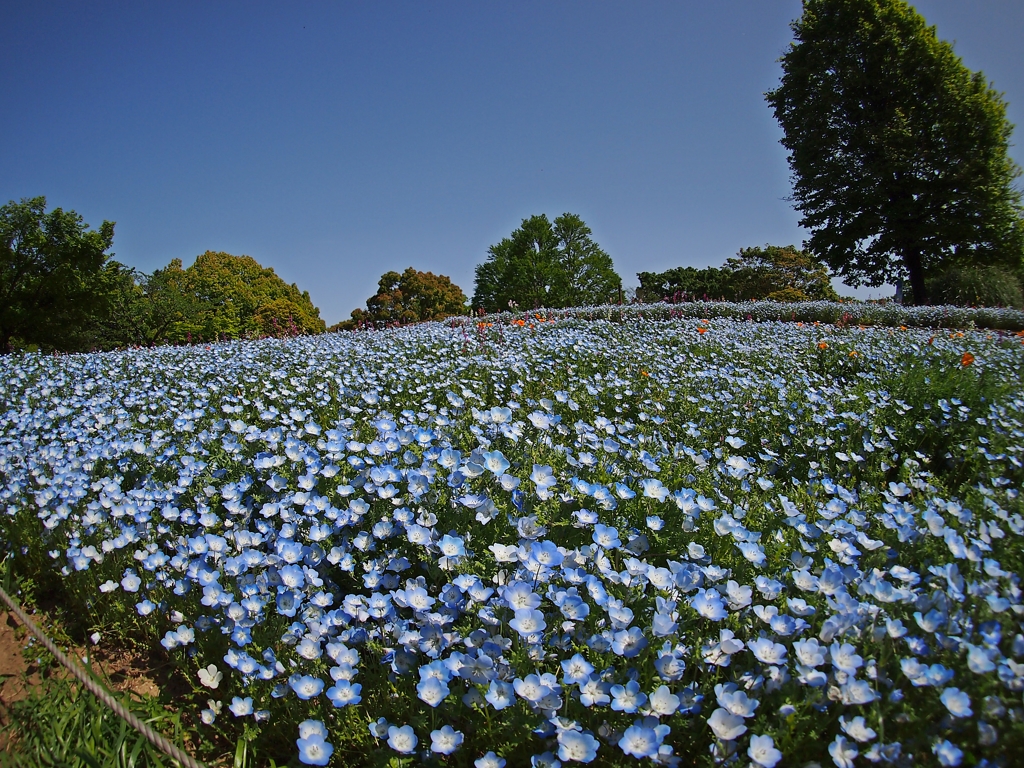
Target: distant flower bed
(677, 537)
(845, 312)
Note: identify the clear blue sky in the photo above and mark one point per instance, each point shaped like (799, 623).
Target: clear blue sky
(335, 141)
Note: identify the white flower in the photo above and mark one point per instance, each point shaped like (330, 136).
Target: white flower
(210, 676)
(726, 725)
(663, 702)
(843, 752)
(767, 651)
(763, 752)
(857, 729)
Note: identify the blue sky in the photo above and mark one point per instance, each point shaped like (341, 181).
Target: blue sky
(336, 141)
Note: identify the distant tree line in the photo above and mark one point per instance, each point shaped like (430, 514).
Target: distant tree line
(61, 289)
(773, 273)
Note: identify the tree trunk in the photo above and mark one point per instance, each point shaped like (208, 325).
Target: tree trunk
(912, 261)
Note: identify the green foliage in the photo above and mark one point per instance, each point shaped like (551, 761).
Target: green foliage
(976, 287)
(55, 275)
(774, 273)
(61, 290)
(62, 726)
(682, 283)
(410, 297)
(778, 274)
(545, 264)
(898, 151)
(223, 295)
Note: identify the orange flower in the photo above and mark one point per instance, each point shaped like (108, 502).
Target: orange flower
(702, 330)
(931, 341)
(853, 353)
(967, 359)
(822, 345)
(644, 373)
(903, 327)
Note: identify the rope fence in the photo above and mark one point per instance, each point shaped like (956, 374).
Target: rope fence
(100, 692)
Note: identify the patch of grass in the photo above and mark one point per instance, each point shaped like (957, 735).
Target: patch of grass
(60, 724)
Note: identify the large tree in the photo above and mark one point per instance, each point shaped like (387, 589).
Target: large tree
(898, 151)
(777, 274)
(409, 297)
(222, 295)
(545, 264)
(54, 275)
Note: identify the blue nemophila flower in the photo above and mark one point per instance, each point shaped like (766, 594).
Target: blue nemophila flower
(344, 693)
(528, 622)
(241, 707)
(432, 690)
(314, 749)
(576, 670)
(606, 537)
(531, 688)
(628, 643)
(957, 702)
(709, 604)
(627, 698)
(947, 753)
(500, 694)
(445, 740)
(489, 760)
(735, 701)
(452, 546)
(643, 738)
(576, 745)
(767, 651)
(594, 693)
(653, 489)
(306, 686)
(496, 463)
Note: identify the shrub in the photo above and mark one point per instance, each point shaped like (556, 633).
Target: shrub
(976, 287)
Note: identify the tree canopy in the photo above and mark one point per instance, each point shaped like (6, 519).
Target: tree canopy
(221, 295)
(775, 273)
(546, 264)
(55, 275)
(682, 284)
(409, 297)
(898, 152)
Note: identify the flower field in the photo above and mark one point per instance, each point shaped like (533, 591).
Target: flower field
(620, 539)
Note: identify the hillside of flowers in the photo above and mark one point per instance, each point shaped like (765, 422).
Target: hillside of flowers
(620, 539)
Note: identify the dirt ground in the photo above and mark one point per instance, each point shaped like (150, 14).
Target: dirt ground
(20, 673)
